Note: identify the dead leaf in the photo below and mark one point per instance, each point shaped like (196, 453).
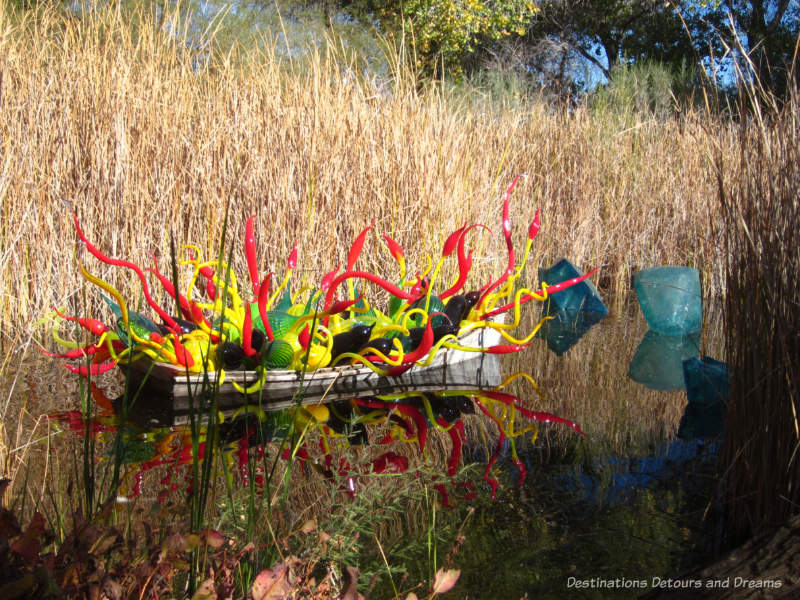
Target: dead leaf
(272, 584)
(105, 542)
(445, 580)
(309, 526)
(350, 588)
(206, 591)
(112, 589)
(28, 546)
(213, 538)
(192, 541)
(174, 543)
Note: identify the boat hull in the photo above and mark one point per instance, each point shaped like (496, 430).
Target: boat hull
(182, 393)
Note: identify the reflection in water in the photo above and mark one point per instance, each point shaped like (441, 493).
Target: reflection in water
(147, 438)
(613, 479)
(707, 389)
(536, 536)
(658, 362)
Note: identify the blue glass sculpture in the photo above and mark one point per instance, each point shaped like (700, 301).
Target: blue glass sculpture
(658, 362)
(670, 299)
(580, 297)
(573, 311)
(707, 389)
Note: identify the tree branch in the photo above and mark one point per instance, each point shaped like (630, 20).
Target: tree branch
(588, 56)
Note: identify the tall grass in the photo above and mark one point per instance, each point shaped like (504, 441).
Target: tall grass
(758, 191)
(144, 138)
(148, 140)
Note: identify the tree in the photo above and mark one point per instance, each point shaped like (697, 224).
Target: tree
(767, 30)
(603, 33)
(445, 33)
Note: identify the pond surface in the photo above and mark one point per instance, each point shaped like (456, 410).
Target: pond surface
(607, 515)
(624, 504)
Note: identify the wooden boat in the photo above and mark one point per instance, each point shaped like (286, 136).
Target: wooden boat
(451, 369)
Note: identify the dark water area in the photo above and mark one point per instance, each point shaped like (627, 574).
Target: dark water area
(614, 514)
(598, 519)
(626, 504)
(574, 529)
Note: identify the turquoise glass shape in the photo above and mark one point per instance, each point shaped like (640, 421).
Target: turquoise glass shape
(658, 362)
(573, 311)
(707, 389)
(670, 299)
(581, 297)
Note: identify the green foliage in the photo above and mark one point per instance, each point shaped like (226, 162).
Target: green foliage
(493, 89)
(643, 88)
(443, 33)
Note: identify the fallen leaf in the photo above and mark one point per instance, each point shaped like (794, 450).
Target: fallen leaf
(174, 543)
(214, 538)
(28, 546)
(105, 542)
(112, 589)
(445, 580)
(350, 588)
(272, 584)
(192, 541)
(309, 526)
(206, 591)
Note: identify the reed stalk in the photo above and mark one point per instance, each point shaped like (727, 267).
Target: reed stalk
(758, 193)
(122, 123)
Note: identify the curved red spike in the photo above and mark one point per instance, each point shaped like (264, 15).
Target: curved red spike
(358, 244)
(82, 352)
(509, 244)
(247, 333)
(171, 324)
(452, 240)
(533, 230)
(250, 254)
(183, 357)
(505, 348)
(291, 263)
(392, 289)
(327, 279)
(341, 306)
(464, 263)
(423, 348)
(304, 337)
(550, 290)
(394, 249)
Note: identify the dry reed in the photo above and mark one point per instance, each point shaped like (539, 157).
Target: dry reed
(143, 138)
(758, 190)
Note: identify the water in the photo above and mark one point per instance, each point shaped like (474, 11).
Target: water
(625, 502)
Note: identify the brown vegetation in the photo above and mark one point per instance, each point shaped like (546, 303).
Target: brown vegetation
(758, 190)
(144, 138)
